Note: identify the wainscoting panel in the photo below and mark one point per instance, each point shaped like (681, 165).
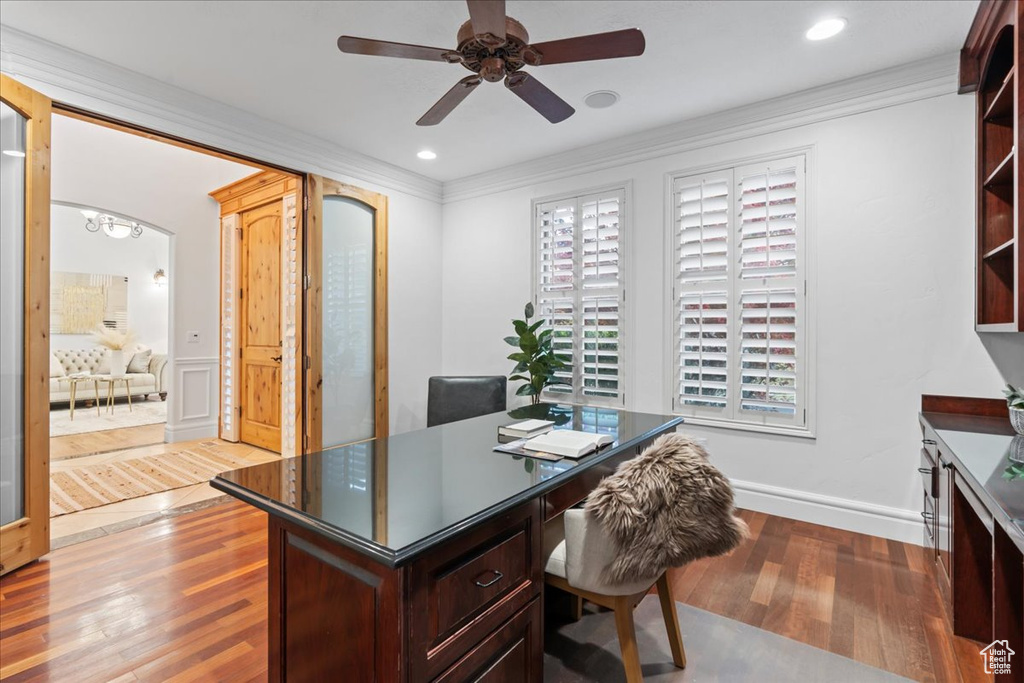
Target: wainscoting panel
(194, 399)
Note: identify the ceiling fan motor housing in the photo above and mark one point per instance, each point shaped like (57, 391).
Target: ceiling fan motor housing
(491, 58)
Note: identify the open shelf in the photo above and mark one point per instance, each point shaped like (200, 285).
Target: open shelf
(1004, 249)
(1001, 109)
(989, 68)
(1003, 173)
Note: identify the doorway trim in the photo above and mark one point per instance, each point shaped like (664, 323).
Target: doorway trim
(317, 187)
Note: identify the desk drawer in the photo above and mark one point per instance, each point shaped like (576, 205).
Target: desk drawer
(471, 585)
(480, 580)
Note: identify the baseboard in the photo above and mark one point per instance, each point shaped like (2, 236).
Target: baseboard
(190, 431)
(840, 513)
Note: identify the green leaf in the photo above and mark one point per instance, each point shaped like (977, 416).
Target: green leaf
(533, 327)
(528, 310)
(519, 377)
(512, 341)
(520, 357)
(520, 326)
(528, 465)
(545, 335)
(520, 367)
(526, 390)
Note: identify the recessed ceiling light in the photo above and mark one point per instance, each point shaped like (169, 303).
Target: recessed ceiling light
(426, 154)
(826, 28)
(14, 153)
(601, 99)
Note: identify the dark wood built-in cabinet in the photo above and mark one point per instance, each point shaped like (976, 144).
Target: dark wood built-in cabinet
(990, 64)
(973, 515)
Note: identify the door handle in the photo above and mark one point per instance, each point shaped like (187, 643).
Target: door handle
(277, 358)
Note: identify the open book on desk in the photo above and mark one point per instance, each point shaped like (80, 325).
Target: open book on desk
(568, 443)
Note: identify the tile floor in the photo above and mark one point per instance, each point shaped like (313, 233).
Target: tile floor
(94, 522)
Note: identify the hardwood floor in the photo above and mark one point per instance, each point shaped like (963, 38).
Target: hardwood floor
(74, 445)
(863, 597)
(184, 599)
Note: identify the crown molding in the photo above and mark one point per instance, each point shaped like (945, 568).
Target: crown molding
(110, 90)
(887, 88)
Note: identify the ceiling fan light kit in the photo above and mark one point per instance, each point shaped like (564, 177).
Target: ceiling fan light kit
(496, 47)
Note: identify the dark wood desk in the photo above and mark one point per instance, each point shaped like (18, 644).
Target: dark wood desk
(418, 557)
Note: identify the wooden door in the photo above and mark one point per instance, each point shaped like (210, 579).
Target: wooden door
(24, 339)
(342, 314)
(260, 341)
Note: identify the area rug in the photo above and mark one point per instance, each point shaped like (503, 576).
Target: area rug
(86, 419)
(717, 649)
(90, 486)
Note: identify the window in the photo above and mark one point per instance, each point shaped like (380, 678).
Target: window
(578, 292)
(739, 296)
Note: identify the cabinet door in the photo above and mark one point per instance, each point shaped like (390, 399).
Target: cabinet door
(514, 652)
(944, 519)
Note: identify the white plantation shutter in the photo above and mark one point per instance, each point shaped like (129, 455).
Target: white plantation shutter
(739, 293)
(579, 293)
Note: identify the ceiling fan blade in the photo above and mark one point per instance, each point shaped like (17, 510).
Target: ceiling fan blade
(451, 99)
(626, 43)
(488, 16)
(536, 94)
(383, 48)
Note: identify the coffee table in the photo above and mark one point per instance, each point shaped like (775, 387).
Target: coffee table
(111, 382)
(74, 382)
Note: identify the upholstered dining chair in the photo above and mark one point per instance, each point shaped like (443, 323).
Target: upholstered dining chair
(664, 508)
(459, 398)
(577, 550)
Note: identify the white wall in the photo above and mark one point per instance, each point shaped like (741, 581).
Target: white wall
(73, 249)
(891, 223)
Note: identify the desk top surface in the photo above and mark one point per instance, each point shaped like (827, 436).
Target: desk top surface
(396, 497)
(982, 448)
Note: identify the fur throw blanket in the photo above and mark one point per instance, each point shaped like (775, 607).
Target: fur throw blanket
(664, 508)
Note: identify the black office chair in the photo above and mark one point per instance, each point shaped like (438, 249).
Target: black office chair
(458, 398)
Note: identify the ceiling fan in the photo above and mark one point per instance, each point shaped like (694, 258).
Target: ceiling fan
(494, 47)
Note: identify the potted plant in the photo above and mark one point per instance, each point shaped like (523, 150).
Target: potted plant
(1015, 402)
(535, 357)
(116, 343)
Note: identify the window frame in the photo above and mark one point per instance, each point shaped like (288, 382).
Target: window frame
(731, 417)
(625, 192)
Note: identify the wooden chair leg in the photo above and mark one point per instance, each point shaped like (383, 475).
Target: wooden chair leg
(627, 640)
(668, 610)
(577, 606)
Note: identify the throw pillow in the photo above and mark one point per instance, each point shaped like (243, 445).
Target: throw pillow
(140, 361)
(56, 369)
(104, 367)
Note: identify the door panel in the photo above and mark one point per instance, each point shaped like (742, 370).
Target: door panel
(261, 338)
(346, 331)
(24, 336)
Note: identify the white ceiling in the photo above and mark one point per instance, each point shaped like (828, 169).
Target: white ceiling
(279, 60)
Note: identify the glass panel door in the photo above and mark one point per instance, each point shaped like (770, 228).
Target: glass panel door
(347, 268)
(13, 128)
(24, 316)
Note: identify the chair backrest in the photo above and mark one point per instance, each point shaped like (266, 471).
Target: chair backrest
(458, 398)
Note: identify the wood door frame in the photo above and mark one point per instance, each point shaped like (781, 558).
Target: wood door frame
(317, 187)
(259, 189)
(28, 538)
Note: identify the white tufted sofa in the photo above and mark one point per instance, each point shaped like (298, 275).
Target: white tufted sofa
(88, 360)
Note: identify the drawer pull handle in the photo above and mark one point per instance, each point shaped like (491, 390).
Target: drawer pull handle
(924, 470)
(929, 442)
(927, 515)
(498, 576)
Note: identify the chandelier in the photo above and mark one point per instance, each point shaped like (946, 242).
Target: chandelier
(112, 226)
